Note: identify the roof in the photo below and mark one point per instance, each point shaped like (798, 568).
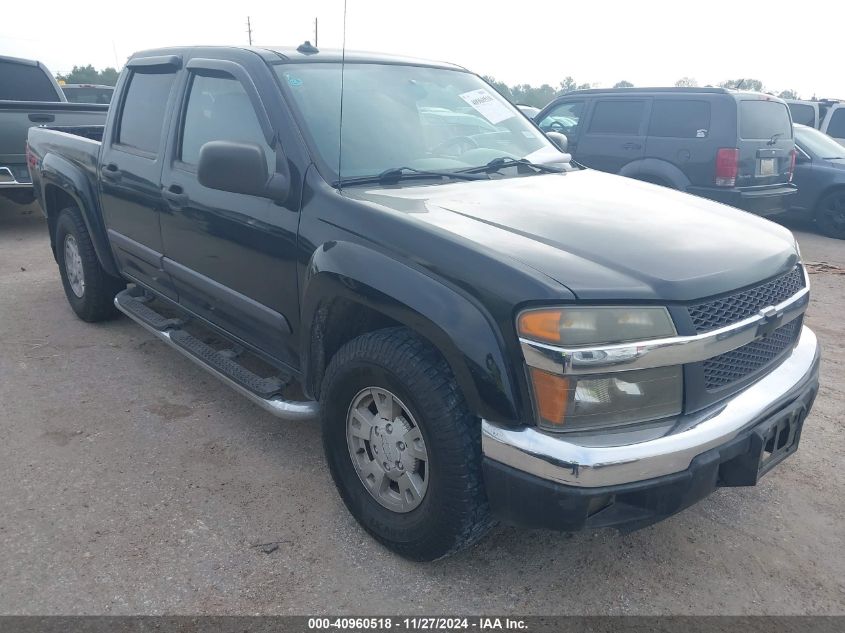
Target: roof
(19, 60)
(294, 54)
(668, 90)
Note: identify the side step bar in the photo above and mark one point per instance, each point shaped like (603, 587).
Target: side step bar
(262, 391)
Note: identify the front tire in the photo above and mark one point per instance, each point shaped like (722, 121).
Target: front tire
(89, 289)
(830, 215)
(403, 449)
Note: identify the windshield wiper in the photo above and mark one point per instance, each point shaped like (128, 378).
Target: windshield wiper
(507, 161)
(775, 137)
(395, 174)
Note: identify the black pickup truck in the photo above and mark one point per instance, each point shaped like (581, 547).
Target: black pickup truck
(485, 330)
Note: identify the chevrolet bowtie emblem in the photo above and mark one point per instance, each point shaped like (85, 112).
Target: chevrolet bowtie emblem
(771, 320)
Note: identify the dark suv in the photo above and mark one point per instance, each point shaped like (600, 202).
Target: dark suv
(732, 147)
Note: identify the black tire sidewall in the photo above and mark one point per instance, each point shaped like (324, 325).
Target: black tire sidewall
(438, 525)
(64, 227)
(825, 224)
(96, 302)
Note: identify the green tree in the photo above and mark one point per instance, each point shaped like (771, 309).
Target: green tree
(623, 84)
(788, 94)
(90, 75)
(743, 84)
(686, 82)
(569, 84)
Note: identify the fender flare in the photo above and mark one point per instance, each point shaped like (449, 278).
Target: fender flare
(72, 181)
(457, 325)
(664, 170)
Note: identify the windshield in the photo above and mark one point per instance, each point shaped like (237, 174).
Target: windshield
(817, 143)
(407, 116)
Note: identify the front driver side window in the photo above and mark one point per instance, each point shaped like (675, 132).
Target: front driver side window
(219, 109)
(565, 118)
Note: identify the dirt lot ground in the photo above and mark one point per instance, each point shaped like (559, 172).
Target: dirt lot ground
(132, 482)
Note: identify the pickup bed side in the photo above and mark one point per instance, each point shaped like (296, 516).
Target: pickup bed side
(69, 179)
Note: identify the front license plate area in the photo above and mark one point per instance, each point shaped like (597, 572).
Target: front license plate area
(770, 443)
(779, 438)
(768, 167)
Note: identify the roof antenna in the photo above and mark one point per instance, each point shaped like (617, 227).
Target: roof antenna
(340, 125)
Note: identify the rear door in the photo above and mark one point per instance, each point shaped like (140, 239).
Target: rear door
(834, 123)
(679, 132)
(765, 141)
(130, 170)
(615, 133)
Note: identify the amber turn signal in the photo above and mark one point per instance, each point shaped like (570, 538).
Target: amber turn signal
(551, 393)
(540, 325)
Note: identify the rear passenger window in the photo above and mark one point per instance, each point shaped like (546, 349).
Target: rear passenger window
(144, 109)
(836, 127)
(762, 120)
(219, 109)
(679, 118)
(617, 117)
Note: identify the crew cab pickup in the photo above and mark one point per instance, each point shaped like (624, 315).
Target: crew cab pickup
(484, 329)
(29, 95)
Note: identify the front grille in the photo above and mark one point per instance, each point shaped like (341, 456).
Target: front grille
(736, 307)
(744, 361)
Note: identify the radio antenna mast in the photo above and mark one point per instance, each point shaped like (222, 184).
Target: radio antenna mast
(249, 30)
(340, 126)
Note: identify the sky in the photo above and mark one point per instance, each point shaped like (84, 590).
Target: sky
(647, 42)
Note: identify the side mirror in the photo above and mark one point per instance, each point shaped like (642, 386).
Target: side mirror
(560, 140)
(239, 168)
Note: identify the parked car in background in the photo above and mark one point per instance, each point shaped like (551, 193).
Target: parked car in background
(527, 110)
(820, 177)
(729, 146)
(29, 96)
(827, 115)
(87, 93)
(484, 329)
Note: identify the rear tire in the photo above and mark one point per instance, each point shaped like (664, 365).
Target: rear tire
(89, 289)
(830, 215)
(447, 509)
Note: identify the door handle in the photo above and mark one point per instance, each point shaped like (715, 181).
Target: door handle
(632, 146)
(175, 196)
(112, 172)
(42, 118)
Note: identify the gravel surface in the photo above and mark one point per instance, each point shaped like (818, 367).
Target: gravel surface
(133, 482)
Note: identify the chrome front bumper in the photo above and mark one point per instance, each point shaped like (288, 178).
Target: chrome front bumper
(587, 461)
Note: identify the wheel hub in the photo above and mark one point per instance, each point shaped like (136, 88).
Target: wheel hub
(387, 449)
(73, 266)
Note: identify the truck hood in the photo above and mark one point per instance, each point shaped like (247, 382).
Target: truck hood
(603, 237)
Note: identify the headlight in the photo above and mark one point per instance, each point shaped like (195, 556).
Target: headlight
(577, 325)
(573, 403)
(568, 403)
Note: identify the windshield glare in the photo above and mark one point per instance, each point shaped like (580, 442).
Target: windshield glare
(817, 143)
(407, 116)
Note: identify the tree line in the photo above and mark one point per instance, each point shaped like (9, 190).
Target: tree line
(539, 96)
(525, 94)
(90, 75)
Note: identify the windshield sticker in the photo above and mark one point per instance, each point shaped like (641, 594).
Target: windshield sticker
(294, 82)
(487, 105)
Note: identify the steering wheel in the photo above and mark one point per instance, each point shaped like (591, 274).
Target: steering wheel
(465, 143)
(557, 126)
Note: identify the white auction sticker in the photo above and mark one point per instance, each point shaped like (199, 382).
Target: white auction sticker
(487, 105)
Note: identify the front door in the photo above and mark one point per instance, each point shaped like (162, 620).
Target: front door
(231, 255)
